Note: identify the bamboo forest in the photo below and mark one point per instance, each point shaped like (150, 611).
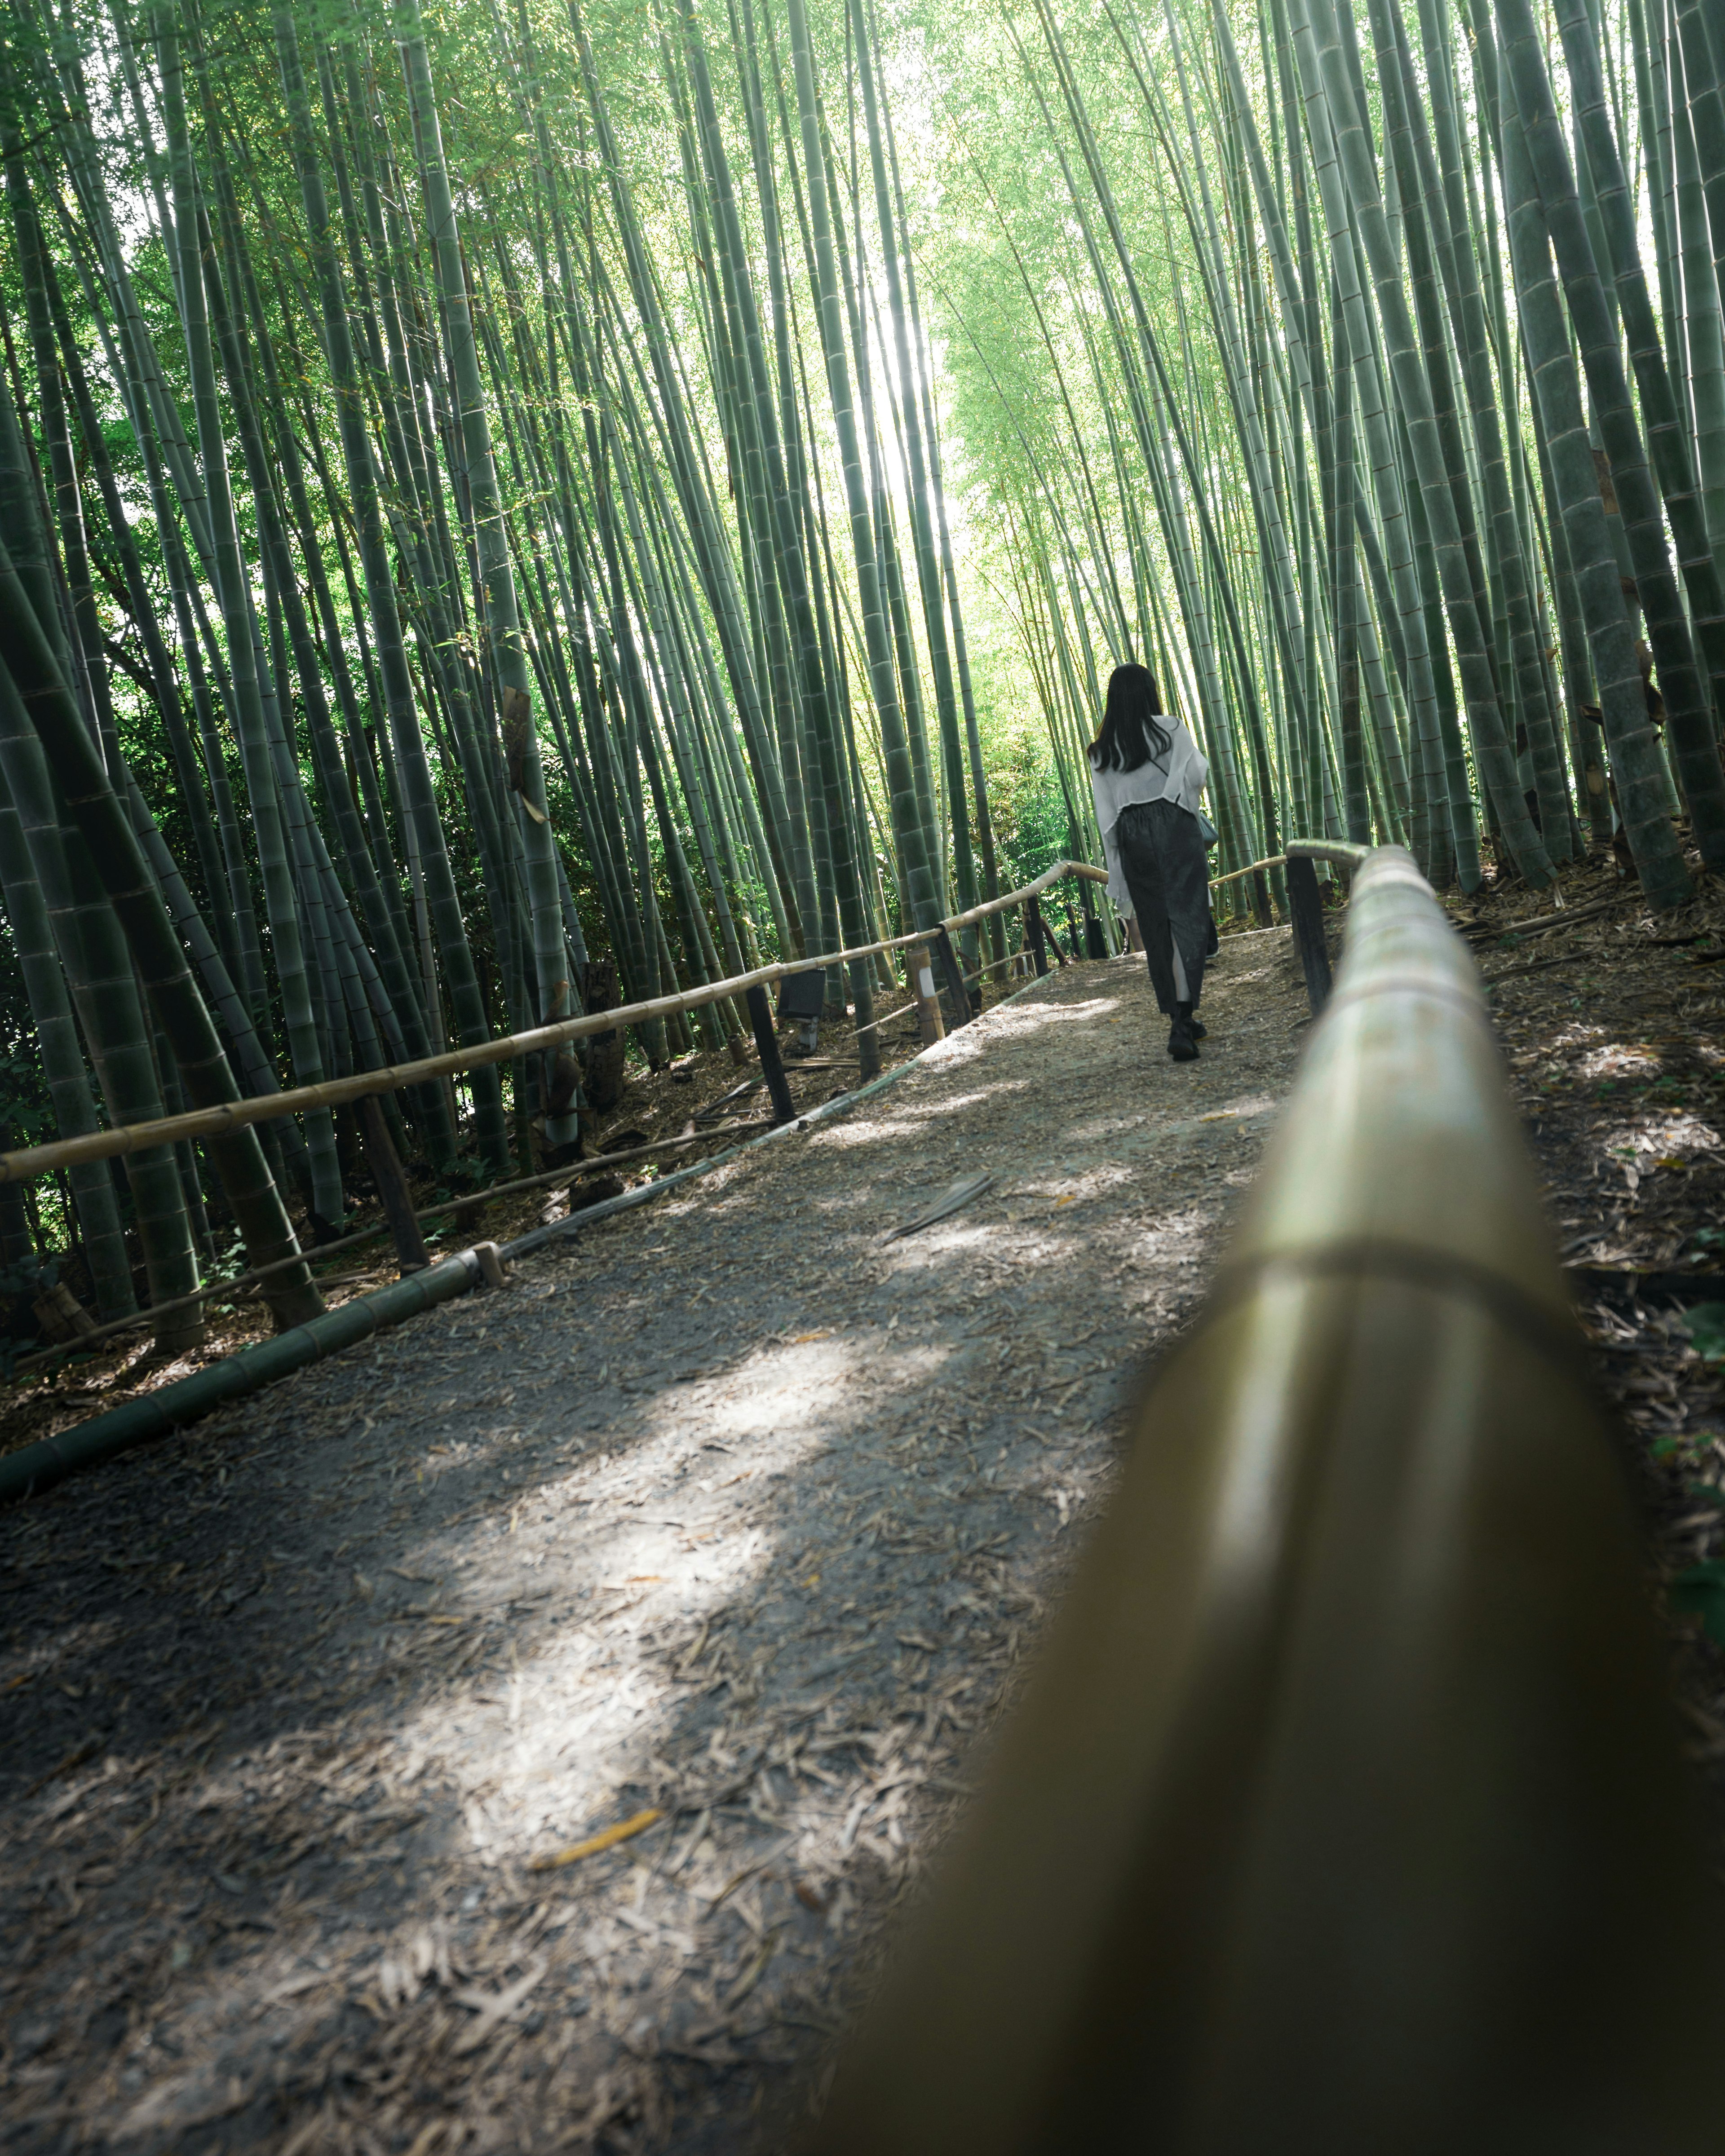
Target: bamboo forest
(862, 1077)
(503, 504)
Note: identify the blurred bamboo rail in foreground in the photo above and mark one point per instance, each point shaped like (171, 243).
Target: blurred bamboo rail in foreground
(1345, 1811)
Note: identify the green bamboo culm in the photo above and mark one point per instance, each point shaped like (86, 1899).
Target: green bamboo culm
(1690, 719)
(899, 772)
(1636, 758)
(505, 647)
(35, 677)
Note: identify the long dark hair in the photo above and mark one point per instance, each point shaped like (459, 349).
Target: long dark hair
(1132, 730)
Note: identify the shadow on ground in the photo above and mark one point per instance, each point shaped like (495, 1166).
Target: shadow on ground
(730, 1512)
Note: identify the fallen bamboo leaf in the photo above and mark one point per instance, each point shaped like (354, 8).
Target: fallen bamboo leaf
(76, 1757)
(960, 1193)
(493, 2007)
(752, 1974)
(607, 1838)
(290, 1988)
(749, 1870)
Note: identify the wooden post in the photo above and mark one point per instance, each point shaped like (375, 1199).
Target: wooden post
(393, 1194)
(954, 973)
(930, 1027)
(772, 1065)
(1039, 936)
(1307, 907)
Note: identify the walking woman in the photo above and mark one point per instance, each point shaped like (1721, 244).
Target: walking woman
(1148, 774)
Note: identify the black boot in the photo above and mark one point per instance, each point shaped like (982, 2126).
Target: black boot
(1181, 1045)
(1195, 1027)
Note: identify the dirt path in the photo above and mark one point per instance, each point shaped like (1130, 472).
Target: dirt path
(730, 1511)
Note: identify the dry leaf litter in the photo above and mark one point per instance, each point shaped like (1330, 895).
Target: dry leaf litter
(690, 1108)
(1609, 1019)
(733, 1513)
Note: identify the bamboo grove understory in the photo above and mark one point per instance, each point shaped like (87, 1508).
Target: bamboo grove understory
(516, 511)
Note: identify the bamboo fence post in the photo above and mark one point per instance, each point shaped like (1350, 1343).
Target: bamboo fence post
(784, 1109)
(1307, 906)
(954, 973)
(1039, 935)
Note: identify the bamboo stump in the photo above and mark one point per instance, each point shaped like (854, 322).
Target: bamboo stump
(60, 1314)
(930, 1025)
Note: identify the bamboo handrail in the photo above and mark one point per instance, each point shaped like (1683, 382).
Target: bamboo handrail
(1345, 1808)
(1340, 852)
(149, 1416)
(1252, 868)
(29, 1162)
(1045, 881)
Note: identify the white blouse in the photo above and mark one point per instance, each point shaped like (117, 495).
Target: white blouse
(1181, 778)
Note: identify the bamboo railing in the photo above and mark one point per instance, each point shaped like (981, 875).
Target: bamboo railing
(29, 1162)
(1344, 1812)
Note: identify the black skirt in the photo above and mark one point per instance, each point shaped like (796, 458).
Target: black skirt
(1166, 870)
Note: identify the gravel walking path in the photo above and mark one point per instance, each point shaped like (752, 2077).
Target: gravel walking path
(729, 1511)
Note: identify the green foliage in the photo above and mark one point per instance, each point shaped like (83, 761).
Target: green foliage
(1031, 824)
(30, 1277)
(26, 1110)
(1700, 1592)
(1705, 1324)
